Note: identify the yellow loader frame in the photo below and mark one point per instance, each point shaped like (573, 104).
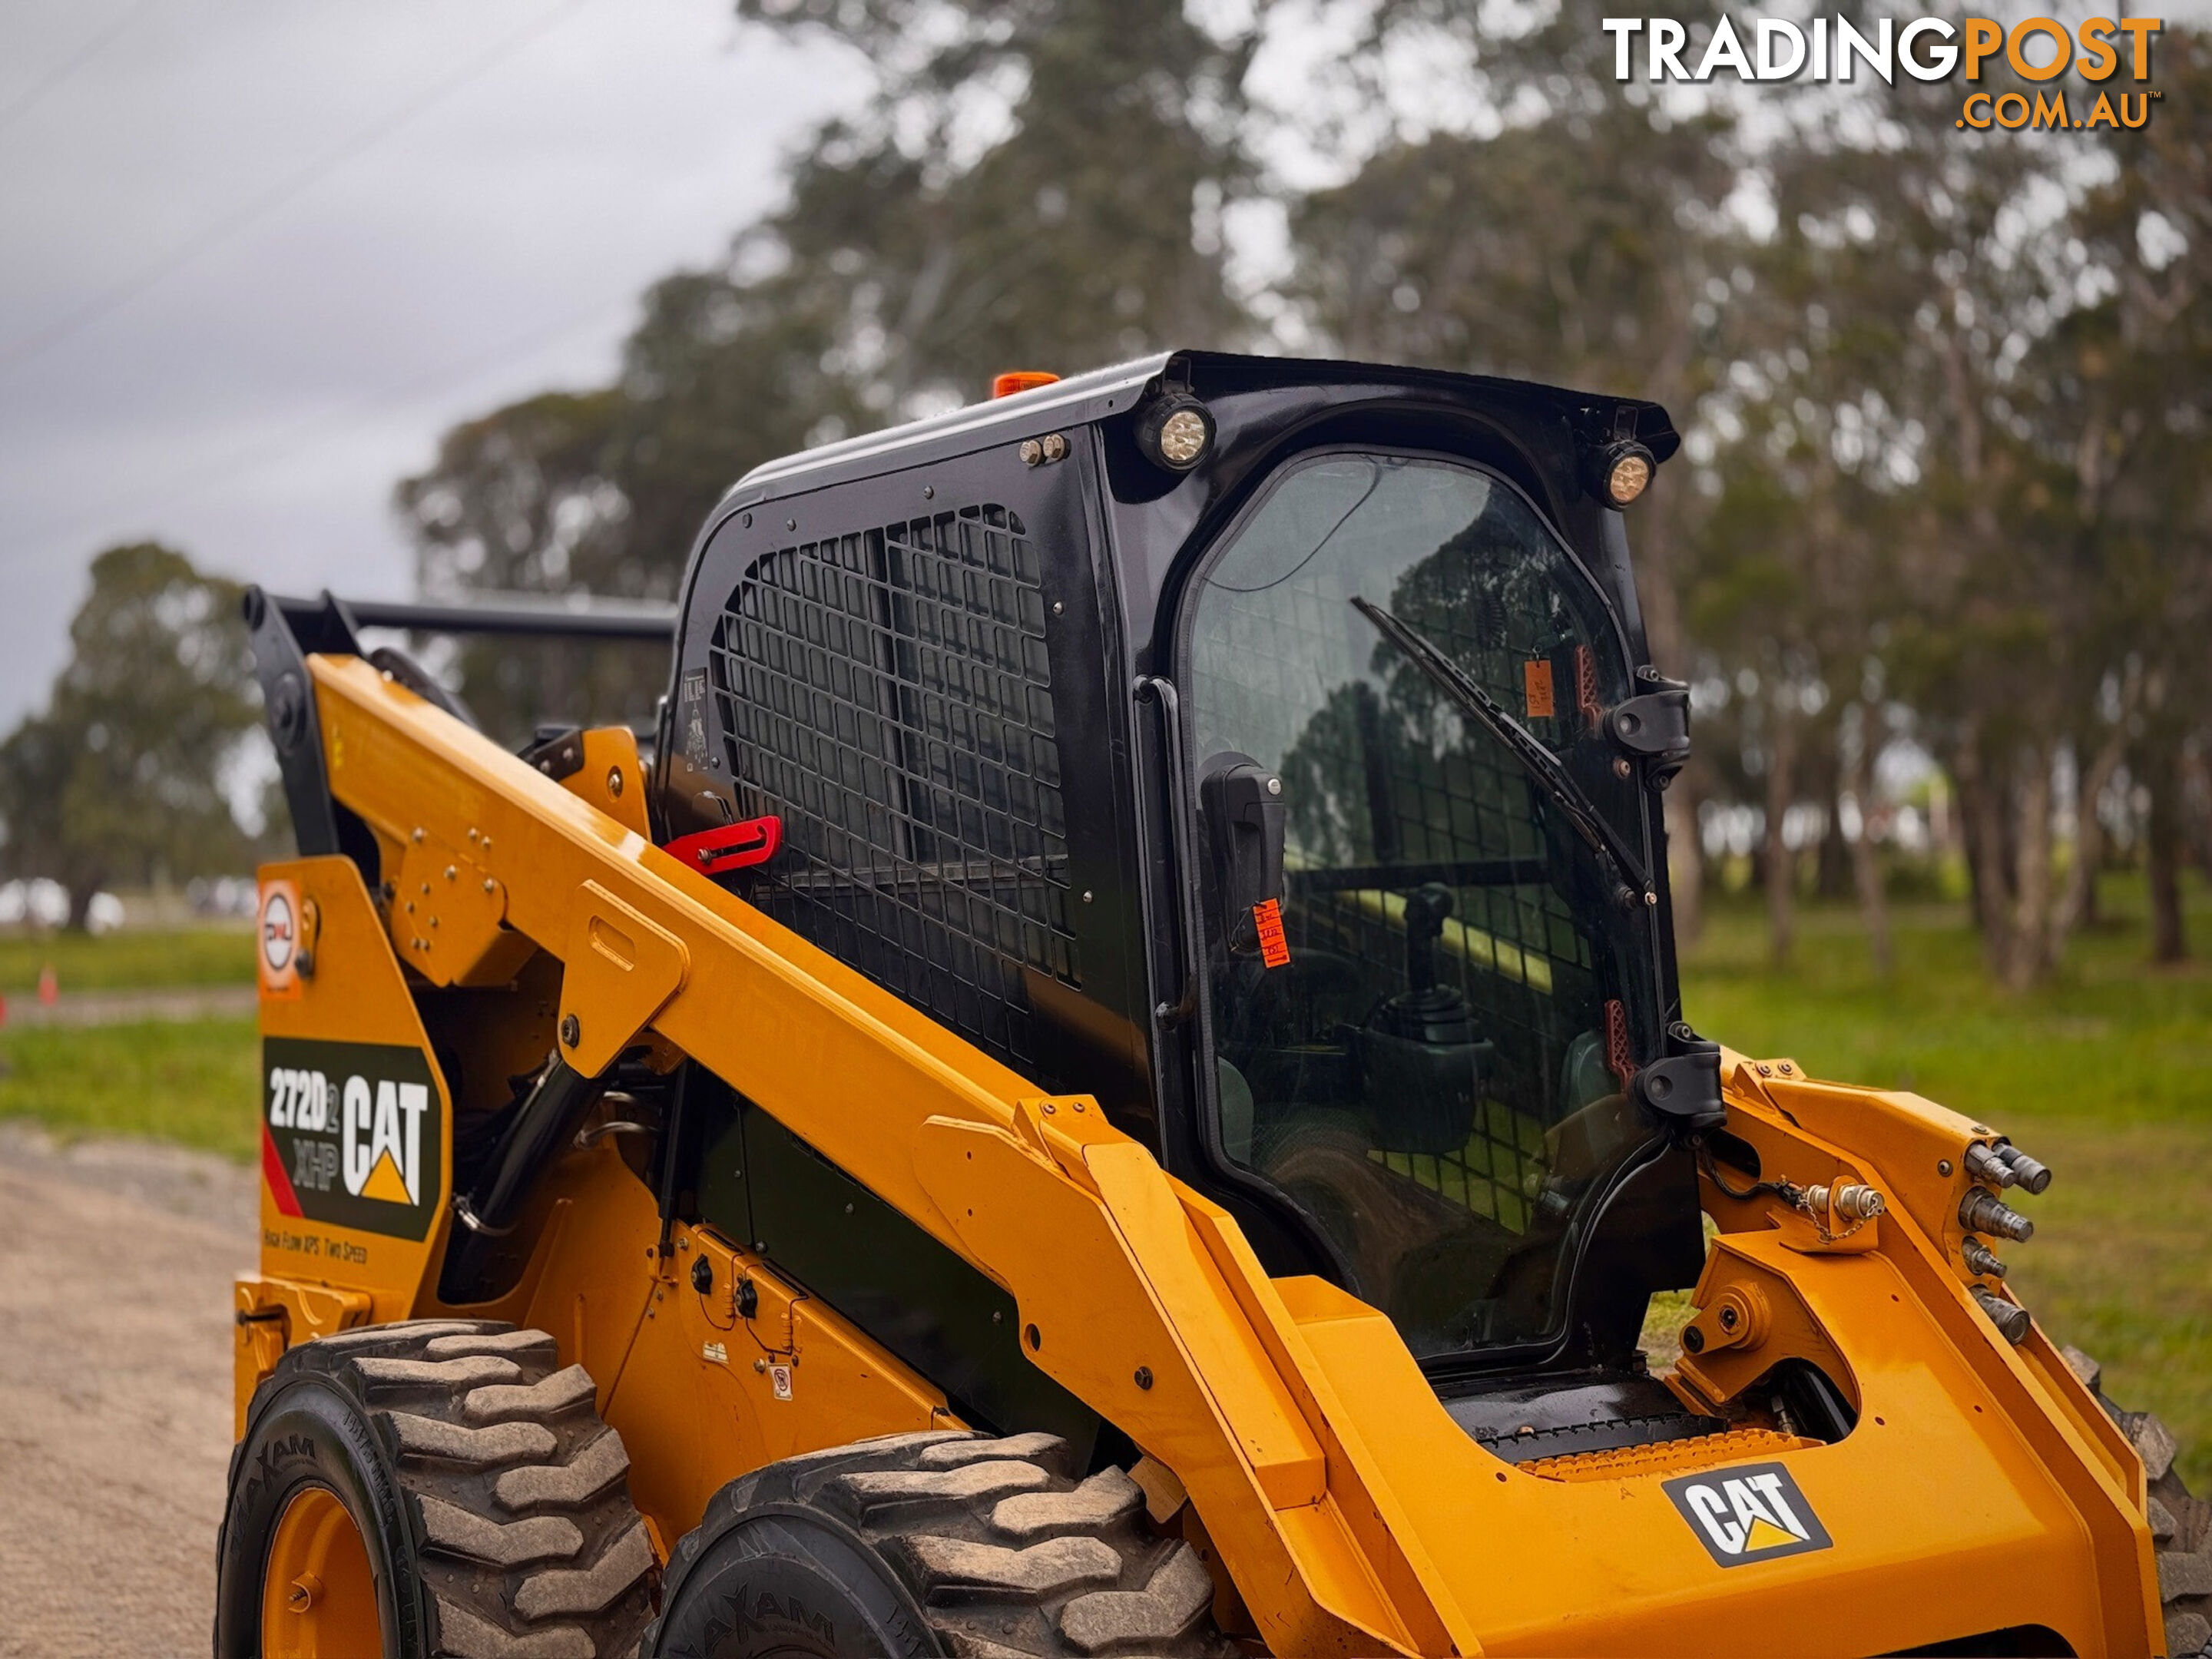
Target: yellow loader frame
(1984, 1486)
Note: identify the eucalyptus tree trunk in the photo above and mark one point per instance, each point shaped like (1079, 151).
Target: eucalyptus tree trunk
(1781, 867)
(1866, 858)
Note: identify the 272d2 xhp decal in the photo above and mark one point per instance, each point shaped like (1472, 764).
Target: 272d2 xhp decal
(1753, 1512)
(352, 1134)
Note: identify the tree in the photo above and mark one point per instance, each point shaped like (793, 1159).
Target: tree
(1576, 236)
(119, 777)
(912, 259)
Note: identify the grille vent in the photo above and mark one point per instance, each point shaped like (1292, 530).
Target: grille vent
(888, 693)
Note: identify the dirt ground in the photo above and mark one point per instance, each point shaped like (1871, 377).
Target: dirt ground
(115, 1414)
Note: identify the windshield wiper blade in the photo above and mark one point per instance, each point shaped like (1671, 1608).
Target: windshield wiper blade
(1614, 853)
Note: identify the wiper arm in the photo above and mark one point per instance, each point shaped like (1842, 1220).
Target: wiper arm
(1614, 853)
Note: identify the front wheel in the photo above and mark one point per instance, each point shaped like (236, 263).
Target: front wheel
(929, 1544)
(2180, 1524)
(436, 1487)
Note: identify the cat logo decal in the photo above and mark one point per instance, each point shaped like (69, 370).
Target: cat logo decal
(1755, 1513)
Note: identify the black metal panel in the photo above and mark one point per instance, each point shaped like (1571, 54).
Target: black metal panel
(831, 1236)
(910, 671)
(282, 631)
(888, 692)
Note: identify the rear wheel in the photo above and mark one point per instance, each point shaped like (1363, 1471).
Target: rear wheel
(2180, 1524)
(929, 1544)
(437, 1487)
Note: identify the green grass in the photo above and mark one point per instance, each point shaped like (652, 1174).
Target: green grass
(188, 1081)
(132, 961)
(2105, 1075)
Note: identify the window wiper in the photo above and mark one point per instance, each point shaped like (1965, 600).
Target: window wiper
(1621, 865)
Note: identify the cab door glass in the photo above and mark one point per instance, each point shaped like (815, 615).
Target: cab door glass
(1436, 1073)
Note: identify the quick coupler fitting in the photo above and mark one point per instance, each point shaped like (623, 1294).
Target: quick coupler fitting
(2005, 1165)
(1983, 1164)
(1983, 1211)
(2011, 1319)
(2033, 1176)
(1980, 1261)
(1852, 1202)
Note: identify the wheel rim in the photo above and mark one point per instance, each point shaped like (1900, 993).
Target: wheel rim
(318, 1595)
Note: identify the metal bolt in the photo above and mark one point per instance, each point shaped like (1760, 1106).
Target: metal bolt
(1078, 1105)
(1087, 896)
(1728, 1318)
(1621, 768)
(1942, 1166)
(747, 520)
(1785, 1068)
(410, 907)
(1057, 609)
(418, 832)
(1764, 1070)
(487, 843)
(1049, 1108)
(998, 1316)
(759, 1366)
(1031, 452)
(489, 884)
(1144, 1377)
(1055, 446)
(1275, 785)
(572, 1031)
(451, 873)
(929, 492)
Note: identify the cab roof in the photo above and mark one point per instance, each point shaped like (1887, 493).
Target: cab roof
(1104, 393)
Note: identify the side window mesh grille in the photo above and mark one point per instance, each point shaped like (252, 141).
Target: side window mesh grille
(888, 694)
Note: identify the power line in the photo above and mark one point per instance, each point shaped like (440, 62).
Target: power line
(301, 435)
(71, 66)
(105, 304)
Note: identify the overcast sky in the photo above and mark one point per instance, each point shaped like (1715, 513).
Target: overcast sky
(255, 255)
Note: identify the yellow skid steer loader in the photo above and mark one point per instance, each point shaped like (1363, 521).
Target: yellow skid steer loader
(1106, 1076)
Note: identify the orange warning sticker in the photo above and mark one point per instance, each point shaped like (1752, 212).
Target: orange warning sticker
(1536, 679)
(1275, 949)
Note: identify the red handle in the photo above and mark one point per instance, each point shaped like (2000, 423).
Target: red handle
(731, 846)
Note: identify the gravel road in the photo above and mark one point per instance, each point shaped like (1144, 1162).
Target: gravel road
(115, 1266)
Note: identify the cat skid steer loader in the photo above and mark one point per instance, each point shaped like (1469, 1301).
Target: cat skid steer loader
(1107, 1079)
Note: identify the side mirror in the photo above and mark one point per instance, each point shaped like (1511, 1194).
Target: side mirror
(1241, 802)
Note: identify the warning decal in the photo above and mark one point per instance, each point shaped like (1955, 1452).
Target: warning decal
(351, 1134)
(1751, 1513)
(1275, 949)
(1536, 682)
(279, 929)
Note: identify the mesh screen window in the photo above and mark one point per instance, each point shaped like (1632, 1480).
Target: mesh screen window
(888, 694)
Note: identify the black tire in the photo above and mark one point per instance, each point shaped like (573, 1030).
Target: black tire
(2181, 1525)
(490, 1494)
(933, 1544)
